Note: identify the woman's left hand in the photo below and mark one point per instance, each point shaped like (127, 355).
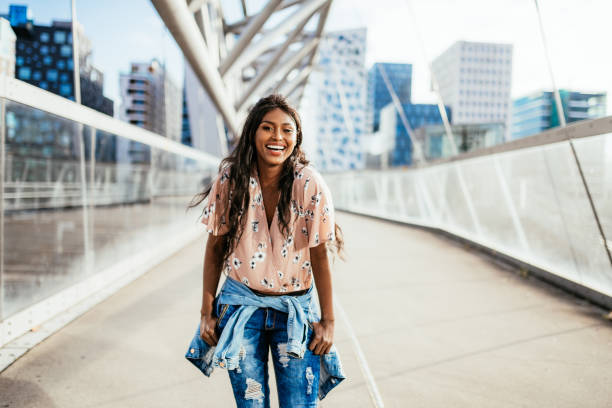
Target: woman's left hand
(323, 337)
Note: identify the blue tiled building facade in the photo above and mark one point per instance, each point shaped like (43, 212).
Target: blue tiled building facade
(400, 77)
(537, 112)
(43, 57)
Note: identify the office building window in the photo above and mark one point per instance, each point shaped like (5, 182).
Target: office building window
(44, 50)
(44, 85)
(59, 37)
(65, 89)
(61, 64)
(65, 51)
(24, 73)
(44, 37)
(36, 75)
(19, 60)
(64, 77)
(47, 60)
(52, 75)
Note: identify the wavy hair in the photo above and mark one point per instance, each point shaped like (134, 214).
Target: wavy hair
(243, 160)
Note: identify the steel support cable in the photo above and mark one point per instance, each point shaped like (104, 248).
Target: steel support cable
(400, 110)
(563, 124)
(445, 121)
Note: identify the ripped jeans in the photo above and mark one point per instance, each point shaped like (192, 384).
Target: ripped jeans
(297, 379)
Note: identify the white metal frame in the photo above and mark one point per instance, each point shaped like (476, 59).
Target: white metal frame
(206, 43)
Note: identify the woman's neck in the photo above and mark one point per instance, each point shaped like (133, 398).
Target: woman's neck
(269, 176)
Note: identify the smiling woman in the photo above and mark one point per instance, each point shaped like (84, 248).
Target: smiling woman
(275, 138)
(271, 220)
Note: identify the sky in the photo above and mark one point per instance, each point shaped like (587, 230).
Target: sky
(577, 31)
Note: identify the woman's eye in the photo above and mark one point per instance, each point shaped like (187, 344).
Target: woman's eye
(267, 128)
(288, 131)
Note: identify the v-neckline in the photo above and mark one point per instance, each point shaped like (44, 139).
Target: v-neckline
(265, 215)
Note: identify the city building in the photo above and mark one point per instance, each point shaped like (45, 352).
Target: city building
(436, 144)
(400, 78)
(202, 125)
(475, 80)
(44, 58)
(537, 112)
(185, 128)
(418, 115)
(7, 48)
(339, 101)
(150, 99)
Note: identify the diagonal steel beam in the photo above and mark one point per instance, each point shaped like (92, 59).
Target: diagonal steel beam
(196, 5)
(185, 31)
(300, 79)
(295, 60)
(255, 50)
(254, 85)
(246, 37)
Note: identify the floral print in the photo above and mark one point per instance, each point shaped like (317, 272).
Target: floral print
(274, 262)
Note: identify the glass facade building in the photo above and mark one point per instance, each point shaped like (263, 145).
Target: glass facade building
(418, 115)
(400, 77)
(537, 112)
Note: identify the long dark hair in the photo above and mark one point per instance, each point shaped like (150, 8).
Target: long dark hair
(243, 160)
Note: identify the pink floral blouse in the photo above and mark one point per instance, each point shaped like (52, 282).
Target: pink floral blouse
(266, 260)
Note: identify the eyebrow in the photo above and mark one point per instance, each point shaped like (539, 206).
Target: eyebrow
(272, 123)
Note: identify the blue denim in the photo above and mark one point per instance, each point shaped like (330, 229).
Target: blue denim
(240, 311)
(297, 379)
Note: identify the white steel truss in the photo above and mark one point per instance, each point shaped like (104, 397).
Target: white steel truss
(271, 51)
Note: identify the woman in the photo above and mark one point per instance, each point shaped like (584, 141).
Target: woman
(271, 223)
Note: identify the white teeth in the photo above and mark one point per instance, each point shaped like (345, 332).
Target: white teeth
(275, 147)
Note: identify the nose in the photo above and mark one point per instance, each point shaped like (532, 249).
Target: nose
(278, 135)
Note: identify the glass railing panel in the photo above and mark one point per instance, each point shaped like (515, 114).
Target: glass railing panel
(459, 216)
(538, 206)
(493, 205)
(595, 156)
(44, 243)
(577, 214)
(119, 196)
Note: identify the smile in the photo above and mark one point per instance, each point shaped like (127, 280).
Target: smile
(276, 148)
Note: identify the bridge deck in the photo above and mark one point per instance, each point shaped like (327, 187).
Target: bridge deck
(439, 325)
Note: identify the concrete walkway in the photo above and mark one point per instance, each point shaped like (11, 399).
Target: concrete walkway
(439, 325)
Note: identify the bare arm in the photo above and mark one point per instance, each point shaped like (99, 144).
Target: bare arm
(210, 278)
(323, 330)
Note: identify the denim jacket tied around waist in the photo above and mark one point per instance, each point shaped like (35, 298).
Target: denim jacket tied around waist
(301, 311)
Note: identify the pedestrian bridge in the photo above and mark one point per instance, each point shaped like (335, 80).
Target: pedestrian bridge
(422, 320)
(480, 280)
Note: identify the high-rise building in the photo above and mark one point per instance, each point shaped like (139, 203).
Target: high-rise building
(400, 79)
(150, 99)
(44, 58)
(202, 124)
(537, 112)
(475, 80)
(7, 48)
(339, 101)
(417, 115)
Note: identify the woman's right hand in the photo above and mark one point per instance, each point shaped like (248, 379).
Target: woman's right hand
(207, 330)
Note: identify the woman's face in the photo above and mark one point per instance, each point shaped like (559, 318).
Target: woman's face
(275, 138)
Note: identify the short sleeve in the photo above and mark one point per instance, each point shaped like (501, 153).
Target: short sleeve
(216, 209)
(319, 210)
